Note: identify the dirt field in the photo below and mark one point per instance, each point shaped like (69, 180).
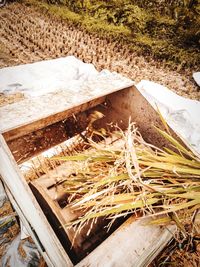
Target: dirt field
(28, 35)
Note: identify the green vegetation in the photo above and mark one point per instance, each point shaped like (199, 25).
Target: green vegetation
(166, 30)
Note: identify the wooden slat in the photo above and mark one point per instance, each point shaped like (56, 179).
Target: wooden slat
(55, 217)
(28, 125)
(48, 191)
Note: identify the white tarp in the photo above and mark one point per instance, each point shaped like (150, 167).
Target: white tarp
(67, 73)
(13, 258)
(182, 114)
(196, 76)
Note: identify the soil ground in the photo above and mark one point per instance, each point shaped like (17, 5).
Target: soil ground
(29, 35)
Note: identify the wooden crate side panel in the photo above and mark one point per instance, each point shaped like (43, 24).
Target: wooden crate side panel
(129, 103)
(117, 107)
(30, 125)
(32, 144)
(34, 216)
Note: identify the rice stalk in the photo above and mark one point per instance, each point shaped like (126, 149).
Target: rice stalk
(130, 175)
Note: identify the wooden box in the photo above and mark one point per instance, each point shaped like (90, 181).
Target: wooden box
(32, 126)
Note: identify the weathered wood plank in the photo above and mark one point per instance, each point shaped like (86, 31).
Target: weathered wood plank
(135, 243)
(130, 104)
(33, 215)
(15, 124)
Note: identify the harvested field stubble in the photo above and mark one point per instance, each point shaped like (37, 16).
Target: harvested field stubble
(28, 35)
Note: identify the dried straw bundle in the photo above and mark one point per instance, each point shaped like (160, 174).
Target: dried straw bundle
(129, 175)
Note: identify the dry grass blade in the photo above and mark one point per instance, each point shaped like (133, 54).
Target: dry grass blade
(131, 175)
